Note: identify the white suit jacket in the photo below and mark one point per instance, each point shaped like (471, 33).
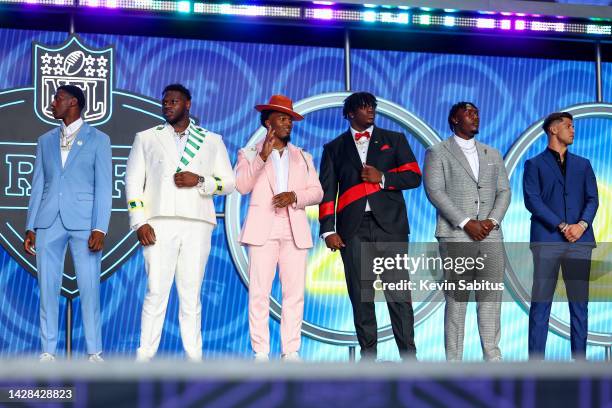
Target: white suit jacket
(153, 161)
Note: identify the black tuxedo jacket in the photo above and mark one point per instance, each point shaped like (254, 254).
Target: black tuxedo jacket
(345, 194)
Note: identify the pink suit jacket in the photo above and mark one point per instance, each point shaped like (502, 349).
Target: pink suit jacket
(257, 177)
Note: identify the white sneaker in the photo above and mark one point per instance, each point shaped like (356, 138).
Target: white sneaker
(261, 358)
(46, 358)
(142, 357)
(95, 358)
(292, 357)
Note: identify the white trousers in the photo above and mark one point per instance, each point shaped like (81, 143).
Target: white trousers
(179, 254)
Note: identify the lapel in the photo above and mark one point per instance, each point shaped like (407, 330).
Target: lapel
(55, 149)
(350, 150)
(374, 146)
(482, 159)
(458, 154)
(166, 140)
(294, 161)
(268, 168)
(81, 139)
(548, 158)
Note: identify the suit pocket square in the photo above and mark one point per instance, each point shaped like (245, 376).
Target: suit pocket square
(385, 147)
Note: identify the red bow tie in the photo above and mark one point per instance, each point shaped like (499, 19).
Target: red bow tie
(365, 134)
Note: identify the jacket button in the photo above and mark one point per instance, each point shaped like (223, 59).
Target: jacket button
(475, 202)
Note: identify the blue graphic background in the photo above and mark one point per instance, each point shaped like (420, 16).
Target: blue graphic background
(227, 80)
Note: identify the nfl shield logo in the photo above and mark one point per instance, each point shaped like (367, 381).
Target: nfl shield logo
(74, 64)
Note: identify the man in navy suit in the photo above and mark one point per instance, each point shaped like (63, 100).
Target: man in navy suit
(561, 193)
(70, 204)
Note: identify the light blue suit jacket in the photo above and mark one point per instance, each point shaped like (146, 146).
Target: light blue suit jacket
(81, 191)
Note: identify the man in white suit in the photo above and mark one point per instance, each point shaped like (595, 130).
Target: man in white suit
(172, 173)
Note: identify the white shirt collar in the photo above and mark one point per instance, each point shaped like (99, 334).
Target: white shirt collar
(170, 128)
(73, 127)
(465, 144)
(370, 130)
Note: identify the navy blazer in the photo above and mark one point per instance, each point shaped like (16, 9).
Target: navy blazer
(345, 194)
(553, 199)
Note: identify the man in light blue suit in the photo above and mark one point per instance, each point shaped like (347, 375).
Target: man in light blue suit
(70, 204)
(560, 192)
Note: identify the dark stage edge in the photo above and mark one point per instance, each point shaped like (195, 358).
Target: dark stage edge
(229, 383)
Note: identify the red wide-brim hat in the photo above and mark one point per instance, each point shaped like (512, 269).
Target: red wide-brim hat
(280, 103)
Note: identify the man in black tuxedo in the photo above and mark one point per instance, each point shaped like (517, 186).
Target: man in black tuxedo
(363, 173)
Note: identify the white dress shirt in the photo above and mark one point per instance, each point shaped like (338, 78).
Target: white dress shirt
(70, 132)
(362, 148)
(281, 168)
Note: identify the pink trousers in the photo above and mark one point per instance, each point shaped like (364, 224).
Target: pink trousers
(279, 250)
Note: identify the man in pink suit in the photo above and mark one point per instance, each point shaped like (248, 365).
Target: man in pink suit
(282, 181)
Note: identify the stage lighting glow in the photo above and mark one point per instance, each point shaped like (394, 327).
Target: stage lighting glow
(41, 2)
(400, 18)
(323, 14)
(370, 16)
(595, 29)
(367, 15)
(403, 18)
(425, 19)
(485, 23)
(184, 6)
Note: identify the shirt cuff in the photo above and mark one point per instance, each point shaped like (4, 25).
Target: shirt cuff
(382, 182)
(462, 223)
(99, 230)
(327, 234)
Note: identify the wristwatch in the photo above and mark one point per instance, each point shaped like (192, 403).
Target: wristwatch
(200, 181)
(583, 224)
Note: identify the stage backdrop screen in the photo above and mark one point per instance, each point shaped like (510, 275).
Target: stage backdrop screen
(226, 80)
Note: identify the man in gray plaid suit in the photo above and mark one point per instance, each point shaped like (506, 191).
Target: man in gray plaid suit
(468, 184)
